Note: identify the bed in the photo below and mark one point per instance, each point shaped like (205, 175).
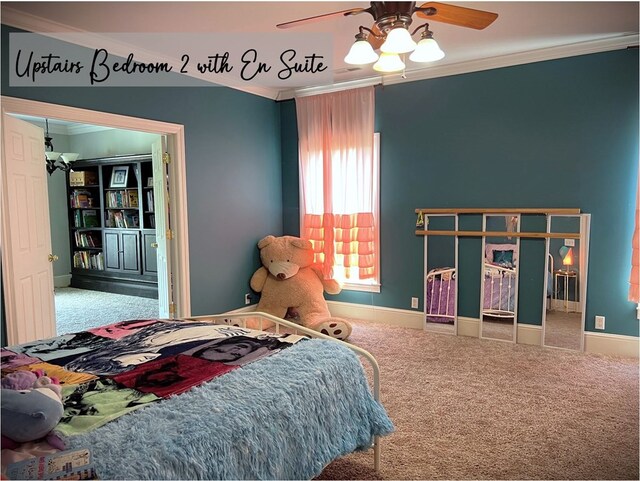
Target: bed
(499, 281)
(440, 295)
(209, 398)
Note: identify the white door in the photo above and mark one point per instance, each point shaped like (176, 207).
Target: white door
(161, 208)
(28, 272)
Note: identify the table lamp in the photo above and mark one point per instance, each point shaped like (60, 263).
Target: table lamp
(567, 258)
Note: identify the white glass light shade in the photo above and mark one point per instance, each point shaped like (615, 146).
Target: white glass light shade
(361, 53)
(52, 155)
(389, 62)
(398, 41)
(427, 50)
(69, 156)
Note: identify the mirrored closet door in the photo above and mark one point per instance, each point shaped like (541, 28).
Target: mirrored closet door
(440, 286)
(499, 283)
(566, 274)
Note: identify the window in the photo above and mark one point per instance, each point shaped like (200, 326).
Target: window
(339, 186)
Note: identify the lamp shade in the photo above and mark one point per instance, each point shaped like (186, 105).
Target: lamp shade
(567, 259)
(361, 53)
(69, 156)
(427, 50)
(389, 62)
(398, 41)
(52, 155)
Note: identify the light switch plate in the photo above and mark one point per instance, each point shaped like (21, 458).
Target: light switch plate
(570, 242)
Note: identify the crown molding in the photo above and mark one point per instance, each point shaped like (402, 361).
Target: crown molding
(33, 23)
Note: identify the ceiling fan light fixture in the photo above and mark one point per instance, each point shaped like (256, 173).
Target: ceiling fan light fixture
(361, 52)
(398, 41)
(389, 62)
(427, 50)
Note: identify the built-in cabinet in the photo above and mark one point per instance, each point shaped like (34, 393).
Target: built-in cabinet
(112, 225)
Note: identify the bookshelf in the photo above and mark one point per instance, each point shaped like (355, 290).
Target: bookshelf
(112, 225)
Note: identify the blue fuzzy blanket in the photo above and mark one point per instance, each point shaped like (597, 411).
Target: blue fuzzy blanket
(285, 417)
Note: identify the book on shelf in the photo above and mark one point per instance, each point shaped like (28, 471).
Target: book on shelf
(133, 198)
(87, 260)
(118, 199)
(90, 218)
(87, 239)
(81, 199)
(150, 200)
(131, 219)
(118, 219)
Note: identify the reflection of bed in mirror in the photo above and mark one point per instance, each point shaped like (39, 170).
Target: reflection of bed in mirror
(441, 295)
(499, 281)
(550, 293)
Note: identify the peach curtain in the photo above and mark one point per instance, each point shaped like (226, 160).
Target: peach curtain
(634, 279)
(338, 181)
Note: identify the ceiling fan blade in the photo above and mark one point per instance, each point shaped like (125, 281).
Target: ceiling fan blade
(305, 21)
(454, 15)
(376, 43)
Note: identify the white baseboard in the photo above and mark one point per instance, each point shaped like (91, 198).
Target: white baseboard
(529, 334)
(62, 281)
(468, 326)
(383, 315)
(595, 342)
(611, 344)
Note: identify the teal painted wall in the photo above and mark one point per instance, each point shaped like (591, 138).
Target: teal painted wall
(233, 172)
(560, 133)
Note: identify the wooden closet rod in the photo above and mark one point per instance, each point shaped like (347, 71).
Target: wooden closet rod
(471, 233)
(499, 211)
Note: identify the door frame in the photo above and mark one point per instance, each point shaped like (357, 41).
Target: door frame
(177, 180)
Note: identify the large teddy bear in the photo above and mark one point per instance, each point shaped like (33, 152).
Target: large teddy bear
(288, 279)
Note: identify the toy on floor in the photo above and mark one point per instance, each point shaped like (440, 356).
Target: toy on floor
(289, 280)
(31, 408)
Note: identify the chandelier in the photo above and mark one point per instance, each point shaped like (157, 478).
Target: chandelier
(56, 160)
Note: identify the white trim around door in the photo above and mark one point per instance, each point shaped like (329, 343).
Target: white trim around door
(177, 177)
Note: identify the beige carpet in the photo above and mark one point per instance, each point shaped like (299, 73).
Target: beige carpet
(466, 408)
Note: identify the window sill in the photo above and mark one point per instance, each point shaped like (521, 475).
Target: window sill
(349, 286)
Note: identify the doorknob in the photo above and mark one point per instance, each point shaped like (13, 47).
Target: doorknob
(52, 257)
(154, 245)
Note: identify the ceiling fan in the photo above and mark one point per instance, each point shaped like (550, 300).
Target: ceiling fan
(390, 31)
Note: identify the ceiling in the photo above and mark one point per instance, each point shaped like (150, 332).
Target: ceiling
(523, 32)
(65, 127)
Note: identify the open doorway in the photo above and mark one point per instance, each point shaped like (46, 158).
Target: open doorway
(174, 253)
(84, 299)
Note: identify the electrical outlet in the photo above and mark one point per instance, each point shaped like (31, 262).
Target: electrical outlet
(247, 298)
(414, 303)
(599, 322)
(570, 242)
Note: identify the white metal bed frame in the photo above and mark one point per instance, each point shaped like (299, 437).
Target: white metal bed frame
(432, 310)
(503, 273)
(241, 318)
